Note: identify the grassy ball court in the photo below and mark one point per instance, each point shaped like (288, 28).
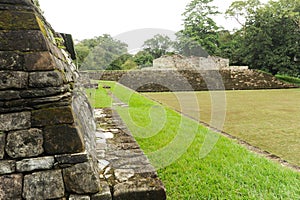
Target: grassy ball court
(229, 171)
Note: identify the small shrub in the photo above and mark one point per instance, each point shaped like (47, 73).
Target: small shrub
(288, 79)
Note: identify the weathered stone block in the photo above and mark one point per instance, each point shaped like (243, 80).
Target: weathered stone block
(7, 166)
(2, 145)
(39, 61)
(17, 2)
(79, 197)
(81, 179)
(56, 52)
(52, 116)
(15, 121)
(72, 158)
(11, 186)
(40, 163)
(18, 20)
(59, 63)
(9, 95)
(141, 189)
(123, 175)
(44, 185)
(69, 73)
(45, 79)
(11, 61)
(27, 40)
(13, 79)
(104, 193)
(25, 143)
(44, 92)
(62, 139)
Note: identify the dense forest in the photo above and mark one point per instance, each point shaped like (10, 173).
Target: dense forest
(268, 40)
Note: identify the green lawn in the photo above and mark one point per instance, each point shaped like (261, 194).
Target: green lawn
(177, 146)
(268, 119)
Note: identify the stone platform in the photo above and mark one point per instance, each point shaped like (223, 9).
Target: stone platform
(126, 172)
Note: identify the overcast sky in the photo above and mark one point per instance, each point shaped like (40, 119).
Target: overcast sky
(90, 18)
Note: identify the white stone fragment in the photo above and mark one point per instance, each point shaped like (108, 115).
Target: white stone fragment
(108, 135)
(102, 164)
(123, 175)
(32, 164)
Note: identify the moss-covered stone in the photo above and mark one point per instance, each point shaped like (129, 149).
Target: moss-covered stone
(42, 26)
(17, 20)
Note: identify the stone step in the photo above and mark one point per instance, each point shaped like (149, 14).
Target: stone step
(123, 165)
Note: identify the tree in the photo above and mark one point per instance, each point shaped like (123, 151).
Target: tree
(103, 50)
(119, 62)
(188, 46)
(158, 46)
(143, 59)
(243, 10)
(129, 64)
(230, 45)
(272, 37)
(82, 52)
(199, 27)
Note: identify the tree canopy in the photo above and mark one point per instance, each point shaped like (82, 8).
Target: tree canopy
(269, 39)
(99, 53)
(199, 27)
(158, 46)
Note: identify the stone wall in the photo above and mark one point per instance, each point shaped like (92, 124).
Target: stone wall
(47, 142)
(190, 63)
(191, 80)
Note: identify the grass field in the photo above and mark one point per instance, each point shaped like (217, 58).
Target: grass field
(229, 171)
(268, 119)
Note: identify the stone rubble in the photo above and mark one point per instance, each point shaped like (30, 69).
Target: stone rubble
(125, 167)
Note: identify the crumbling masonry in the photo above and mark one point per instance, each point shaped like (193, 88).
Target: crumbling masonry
(48, 145)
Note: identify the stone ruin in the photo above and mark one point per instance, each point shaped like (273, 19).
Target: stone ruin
(87, 83)
(180, 62)
(180, 73)
(49, 147)
(162, 80)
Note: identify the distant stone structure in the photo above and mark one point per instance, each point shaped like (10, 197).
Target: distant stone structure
(190, 63)
(162, 80)
(179, 73)
(85, 81)
(49, 145)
